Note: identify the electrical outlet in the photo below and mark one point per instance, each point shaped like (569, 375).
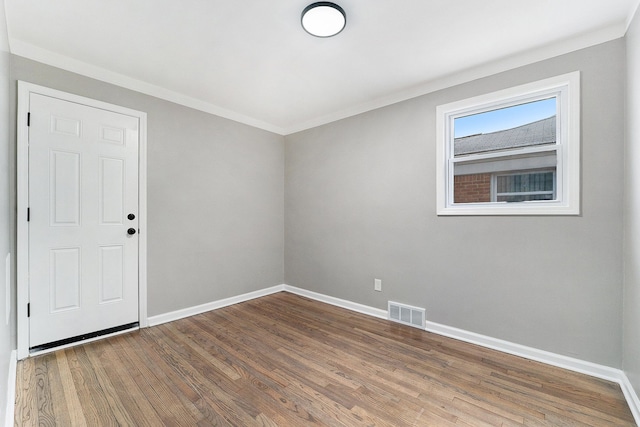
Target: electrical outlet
(377, 285)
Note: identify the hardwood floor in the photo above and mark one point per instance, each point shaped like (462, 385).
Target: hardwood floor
(284, 360)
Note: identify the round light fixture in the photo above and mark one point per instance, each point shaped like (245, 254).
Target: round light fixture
(323, 19)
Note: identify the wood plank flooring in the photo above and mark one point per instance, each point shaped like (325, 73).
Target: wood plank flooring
(284, 360)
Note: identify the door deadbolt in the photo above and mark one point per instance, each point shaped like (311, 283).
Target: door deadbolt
(131, 217)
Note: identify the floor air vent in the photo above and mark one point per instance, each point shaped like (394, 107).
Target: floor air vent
(406, 314)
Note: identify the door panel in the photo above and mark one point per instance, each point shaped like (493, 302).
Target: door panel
(64, 180)
(83, 182)
(112, 191)
(65, 126)
(64, 279)
(111, 273)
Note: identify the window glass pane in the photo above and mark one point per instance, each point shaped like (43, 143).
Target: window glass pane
(536, 181)
(523, 125)
(526, 186)
(472, 188)
(500, 143)
(472, 180)
(525, 198)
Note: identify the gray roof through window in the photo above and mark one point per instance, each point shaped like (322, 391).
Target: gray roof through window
(537, 133)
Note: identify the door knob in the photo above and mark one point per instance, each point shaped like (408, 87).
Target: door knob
(131, 231)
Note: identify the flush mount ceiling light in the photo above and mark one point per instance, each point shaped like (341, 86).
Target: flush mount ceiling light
(323, 19)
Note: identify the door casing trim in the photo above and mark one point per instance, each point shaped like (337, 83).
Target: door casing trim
(22, 203)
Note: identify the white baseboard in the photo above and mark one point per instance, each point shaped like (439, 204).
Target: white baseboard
(353, 306)
(565, 362)
(549, 358)
(203, 308)
(11, 390)
(631, 396)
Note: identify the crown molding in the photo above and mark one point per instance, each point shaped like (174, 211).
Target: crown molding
(66, 63)
(473, 73)
(593, 38)
(632, 15)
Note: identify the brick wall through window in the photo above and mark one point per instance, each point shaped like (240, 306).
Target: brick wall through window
(472, 188)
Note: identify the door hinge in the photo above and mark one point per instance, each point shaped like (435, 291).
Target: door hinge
(28, 119)
(28, 214)
(28, 309)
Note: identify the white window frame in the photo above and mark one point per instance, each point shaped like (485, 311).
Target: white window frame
(566, 89)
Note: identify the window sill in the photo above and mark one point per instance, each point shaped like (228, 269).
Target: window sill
(508, 209)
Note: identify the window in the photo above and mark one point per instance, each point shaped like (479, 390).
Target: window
(513, 152)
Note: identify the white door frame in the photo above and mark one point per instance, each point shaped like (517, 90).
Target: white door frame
(22, 272)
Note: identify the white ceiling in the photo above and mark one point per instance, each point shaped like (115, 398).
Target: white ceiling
(251, 61)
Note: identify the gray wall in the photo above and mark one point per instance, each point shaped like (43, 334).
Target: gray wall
(361, 204)
(215, 195)
(631, 338)
(6, 230)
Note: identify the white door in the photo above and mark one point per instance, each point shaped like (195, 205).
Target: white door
(83, 219)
